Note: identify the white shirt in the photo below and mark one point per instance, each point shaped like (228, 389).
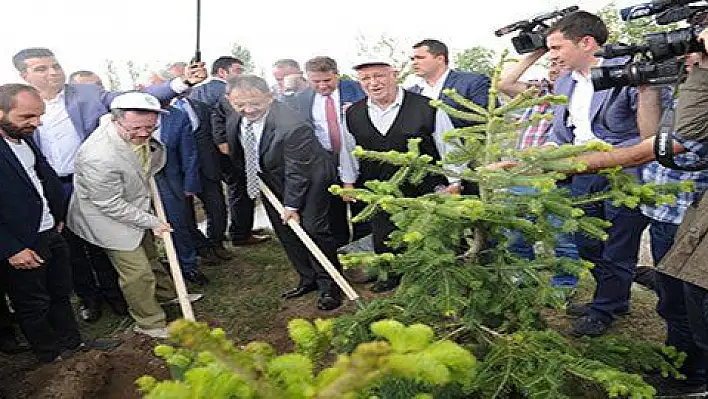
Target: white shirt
(383, 119)
(579, 108)
(58, 139)
(433, 92)
(193, 118)
(319, 118)
(258, 126)
(24, 154)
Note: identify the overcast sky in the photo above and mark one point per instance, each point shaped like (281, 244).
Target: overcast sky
(84, 33)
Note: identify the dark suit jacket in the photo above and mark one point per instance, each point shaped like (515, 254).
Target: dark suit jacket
(470, 85)
(20, 202)
(206, 150)
(182, 166)
(349, 92)
(209, 92)
(293, 163)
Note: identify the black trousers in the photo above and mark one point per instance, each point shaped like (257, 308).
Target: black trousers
(40, 297)
(94, 276)
(6, 329)
(212, 198)
(314, 220)
(241, 207)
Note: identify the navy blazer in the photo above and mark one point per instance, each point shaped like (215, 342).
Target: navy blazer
(470, 85)
(208, 153)
(20, 202)
(349, 93)
(182, 166)
(86, 103)
(209, 92)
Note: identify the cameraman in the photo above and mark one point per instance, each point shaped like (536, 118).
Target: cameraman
(618, 116)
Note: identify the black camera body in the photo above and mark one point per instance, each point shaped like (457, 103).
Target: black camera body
(532, 32)
(660, 63)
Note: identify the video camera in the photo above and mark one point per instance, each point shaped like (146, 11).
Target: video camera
(655, 62)
(532, 35)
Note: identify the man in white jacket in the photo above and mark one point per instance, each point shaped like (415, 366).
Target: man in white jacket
(111, 205)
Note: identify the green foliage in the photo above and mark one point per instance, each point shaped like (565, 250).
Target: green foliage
(209, 366)
(243, 54)
(477, 59)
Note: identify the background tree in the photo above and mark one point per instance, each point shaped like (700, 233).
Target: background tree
(112, 75)
(631, 31)
(243, 54)
(389, 48)
(477, 59)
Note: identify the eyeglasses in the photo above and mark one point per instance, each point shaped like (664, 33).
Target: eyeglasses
(132, 130)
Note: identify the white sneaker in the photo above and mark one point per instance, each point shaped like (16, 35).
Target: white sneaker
(192, 298)
(159, 332)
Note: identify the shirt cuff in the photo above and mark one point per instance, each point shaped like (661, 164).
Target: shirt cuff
(178, 86)
(290, 208)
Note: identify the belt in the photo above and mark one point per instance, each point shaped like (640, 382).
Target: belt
(67, 178)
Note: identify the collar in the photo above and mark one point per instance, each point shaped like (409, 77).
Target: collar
(577, 76)
(397, 102)
(441, 79)
(60, 97)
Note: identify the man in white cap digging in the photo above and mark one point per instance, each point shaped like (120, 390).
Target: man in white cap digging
(111, 205)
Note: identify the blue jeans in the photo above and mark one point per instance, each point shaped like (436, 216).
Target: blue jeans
(565, 245)
(672, 305)
(615, 258)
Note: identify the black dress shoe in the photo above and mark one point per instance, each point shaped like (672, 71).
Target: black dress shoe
(327, 301)
(10, 346)
(208, 256)
(386, 285)
(589, 326)
(582, 309)
(301, 290)
(89, 311)
(253, 239)
(222, 253)
(196, 277)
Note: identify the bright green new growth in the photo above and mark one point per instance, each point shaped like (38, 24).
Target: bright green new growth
(212, 368)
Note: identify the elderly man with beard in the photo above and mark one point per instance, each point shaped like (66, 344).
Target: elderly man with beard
(111, 205)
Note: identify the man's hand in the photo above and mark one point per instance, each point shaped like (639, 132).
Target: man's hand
(224, 148)
(195, 73)
(703, 37)
(289, 214)
(161, 229)
(347, 198)
(501, 165)
(25, 259)
(454, 188)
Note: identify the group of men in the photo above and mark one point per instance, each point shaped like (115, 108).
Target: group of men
(98, 151)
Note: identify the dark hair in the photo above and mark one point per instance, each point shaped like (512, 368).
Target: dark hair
(247, 82)
(82, 74)
(18, 60)
(287, 63)
(435, 47)
(579, 24)
(224, 63)
(9, 92)
(321, 64)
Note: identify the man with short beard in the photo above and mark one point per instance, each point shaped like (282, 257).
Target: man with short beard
(35, 256)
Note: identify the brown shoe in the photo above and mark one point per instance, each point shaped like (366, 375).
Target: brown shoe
(253, 239)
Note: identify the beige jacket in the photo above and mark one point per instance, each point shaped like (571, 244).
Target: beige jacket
(111, 204)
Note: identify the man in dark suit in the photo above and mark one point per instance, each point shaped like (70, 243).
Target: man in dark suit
(221, 70)
(177, 181)
(209, 247)
(323, 105)
(72, 113)
(431, 64)
(35, 256)
(268, 141)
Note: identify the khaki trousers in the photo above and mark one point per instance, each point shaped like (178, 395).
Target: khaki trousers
(144, 281)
